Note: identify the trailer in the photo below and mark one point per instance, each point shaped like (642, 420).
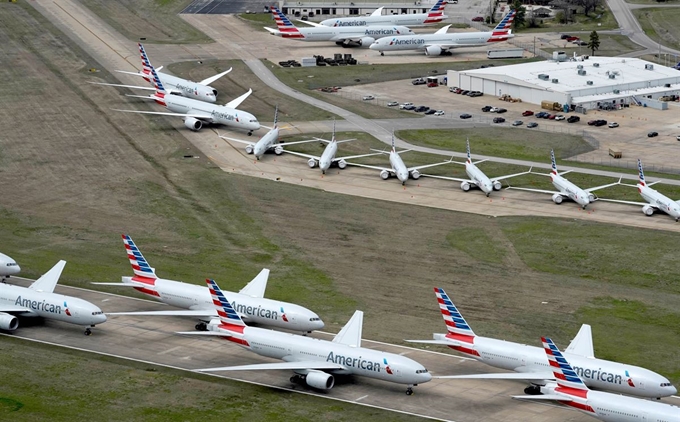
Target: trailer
(507, 53)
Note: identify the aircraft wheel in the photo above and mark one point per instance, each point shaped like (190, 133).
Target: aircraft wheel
(88, 332)
(250, 133)
(409, 391)
(382, 54)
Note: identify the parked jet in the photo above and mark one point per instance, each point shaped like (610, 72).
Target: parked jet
(346, 36)
(570, 390)
(434, 15)
(441, 41)
(477, 177)
(529, 361)
(195, 113)
(313, 360)
(201, 91)
(39, 300)
(249, 302)
(655, 200)
(566, 189)
(398, 168)
(8, 267)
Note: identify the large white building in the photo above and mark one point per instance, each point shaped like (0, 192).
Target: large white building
(588, 83)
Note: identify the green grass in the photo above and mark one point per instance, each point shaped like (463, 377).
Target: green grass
(581, 22)
(660, 24)
(610, 45)
(476, 243)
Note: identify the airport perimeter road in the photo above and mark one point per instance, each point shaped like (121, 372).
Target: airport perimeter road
(153, 340)
(631, 28)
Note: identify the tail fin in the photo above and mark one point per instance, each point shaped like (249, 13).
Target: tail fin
(393, 148)
(140, 266)
(564, 374)
(455, 322)
(641, 176)
(553, 163)
(502, 31)
(333, 135)
(284, 25)
(225, 311)
(436, 13)
(276, 117)
(146, 64)
(469, 159)
(159, 96)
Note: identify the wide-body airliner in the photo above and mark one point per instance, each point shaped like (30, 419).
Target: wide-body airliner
(434, 15)
(8, 267)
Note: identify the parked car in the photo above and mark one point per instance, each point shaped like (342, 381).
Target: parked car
(570, 39)
(501, 110)
(368, 97)
(517, 123)
(498, 120)
(392, 104)
(453, 88)
(464, 92)
(580, 43)
(475, 93)
(528, 113)
(405, 105)
(418, 81)
(478, 19)
(465, 116)
(421, 109)
(486, 109)
(431, 111)
(573, 119)
(493, 109)
(613, 124)
(532, 125)
(565, 36)
(653, 134)
(439, 113)
(592, 122)
(560, 117)
(551, 116)
(540, 114)
(677, 138)
(600, 122)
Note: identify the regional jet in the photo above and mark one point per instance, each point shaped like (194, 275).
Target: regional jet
(566, 189)
(39, 300)
(8, 267)
(346, 36)
(529, 361)
(434, 15)
(195, 113)
(477, 177)
(313, 360)
(249, 302)
(201, 91)
(441, 41)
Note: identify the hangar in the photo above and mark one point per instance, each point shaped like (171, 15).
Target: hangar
(583, 83)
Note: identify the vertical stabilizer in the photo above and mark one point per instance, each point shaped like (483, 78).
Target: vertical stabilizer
(641, 174)
(582, 344)
(257, 286)
(565, 375)
(455, 323)
(350, 334)
(469, 158)
(276, 117)
(553, 163)
(49, 280)
(140, 266)
(225, 311)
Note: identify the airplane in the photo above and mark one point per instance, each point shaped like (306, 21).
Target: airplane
(346, 36)
(566, 189)
(440, 41)
(398, 168)
(477, 177)
(266, 142)
(313, 360)
(434, 15)
(8, 267)
(328, 158)
(655, 200)
(195, 113)
(201, 91)
(39, 300)
(570, 390)
(529, 361)
(249, 301)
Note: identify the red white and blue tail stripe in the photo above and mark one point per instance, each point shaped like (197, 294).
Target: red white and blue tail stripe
(469, 158)
(159, 96)
(641, 174)
(284, 25)
(140, 266)
(564, 373)
(553, 163)
(502, 30)
(436, 13)
(146, 64)
(455, 323)
(225, 311)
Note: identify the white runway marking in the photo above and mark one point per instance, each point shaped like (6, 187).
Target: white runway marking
(169, 350)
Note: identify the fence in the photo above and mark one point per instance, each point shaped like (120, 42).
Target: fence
(625, 164)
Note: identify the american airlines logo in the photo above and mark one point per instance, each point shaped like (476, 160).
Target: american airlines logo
(351, 23)
(381, 32)
(223, 116)
(40, 306)
(412, 41)
(599, 375)
(258, 311)
(187, 89)
(351, 362)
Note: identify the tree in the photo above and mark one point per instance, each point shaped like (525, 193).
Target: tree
(521, 13)
(594, 43)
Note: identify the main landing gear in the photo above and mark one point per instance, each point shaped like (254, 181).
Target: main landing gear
(382, 54)
(532, 390)
(297, 379)
(201, 326)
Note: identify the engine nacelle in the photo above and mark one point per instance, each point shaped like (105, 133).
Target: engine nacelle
(385, 174)
(591, 198)
(465, 186)
(193, 123)
(278, 150)
(557, 198)
(415, 174)
(250, 148)
(8, 322)
(366, 41)
(311, 163)
(497, 185)
(433, 50)
(648, 210)
(342, 164)
(320, 380)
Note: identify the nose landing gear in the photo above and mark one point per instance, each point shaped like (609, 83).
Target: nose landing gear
(88, 332)
(409, 390)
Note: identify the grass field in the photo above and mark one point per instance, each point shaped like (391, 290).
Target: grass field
(599, 20)
(610, 45)
(660, 24)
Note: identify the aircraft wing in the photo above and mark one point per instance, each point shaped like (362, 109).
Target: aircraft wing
(551, 192)
(427, 166)
(619, 201)
(544, 397)
(236, 140)
(279, 365)
(371, 167)
(237, 101)
(48, 281)
(148, 88)
(582, 344)
(455, 179)
(510, 175)
(196, 313)
(134, 73)
(506, 376)
(166, 113)
(212, 79)
(351, 332)
(603, 186)
(351, 157)
(283, 144)
(318, 25)
(316, 157)
(378, 11)
(257, 286)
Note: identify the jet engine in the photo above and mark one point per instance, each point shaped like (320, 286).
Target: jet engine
(10, 322)
(415, 174)
(591, 198)
(385, 174)
(320, 380)
(193, 123)
(366, 41)
(648, 210)
(497, 185)
(465, 186)
(250, 148)
(311, 163)
(342, 164)
(557, 198)
(433, 50)
(278, 150)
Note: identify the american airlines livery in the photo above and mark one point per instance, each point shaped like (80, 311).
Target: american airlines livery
(249, 302)
(477, 177)
(656, 201)
(8, 267)
(529, 361)
(314, 361)
(441, 41)
(570, 390)
(39, 300)
(195, 113)
(566, 189)
(201, 91)
(346, 36)
(434, 15)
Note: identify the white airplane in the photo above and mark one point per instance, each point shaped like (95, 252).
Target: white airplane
(8, 267)
(569, 389)
(39, 300)
(439, 42)
(328, 158)
(266, 143)
(566, 189)
(529, 361)
(477, 177)
(434, 15)
(195, 113)
(655, 200)
(346, 36)
(398, 168)
(249, 302)
(314, 361)
(201, 91)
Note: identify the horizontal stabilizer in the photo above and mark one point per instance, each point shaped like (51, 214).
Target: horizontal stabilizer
(529, 376)
(271, 30)
(279, 365)
(147, 88)
(543, 397)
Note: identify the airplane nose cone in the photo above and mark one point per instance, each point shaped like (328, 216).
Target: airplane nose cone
(101, 319)
(672, 390)
(319, 325)
(425, 377)
(16, 269)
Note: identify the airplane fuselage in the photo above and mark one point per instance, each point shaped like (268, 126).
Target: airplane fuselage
(399, 169)
(343, 33)
(416, 19)
(328, 155)
(266, 142)
(217, 113)
(479, 178)
(659, 201)
(8, 266)
(419, 42)
(184, 87)
(570, 190)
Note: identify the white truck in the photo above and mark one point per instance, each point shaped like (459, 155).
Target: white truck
(507, 53)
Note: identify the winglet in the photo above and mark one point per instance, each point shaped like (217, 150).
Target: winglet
(378, 11)
(225, 311)
(350, 334)
(48, 281)
(257, 286)
(582, 344)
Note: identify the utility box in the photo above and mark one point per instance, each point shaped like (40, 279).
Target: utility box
(551, 105)
(615, 152)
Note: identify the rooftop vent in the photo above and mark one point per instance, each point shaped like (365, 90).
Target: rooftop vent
(582, 72)
(579, 66)
(543, 76)
(555, 81)
(649, 67)
(616, 91)
(596, 65)
(589, 82)
(667, 85)
(612, 76)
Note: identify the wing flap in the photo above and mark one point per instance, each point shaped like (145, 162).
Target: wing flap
(279, 365)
